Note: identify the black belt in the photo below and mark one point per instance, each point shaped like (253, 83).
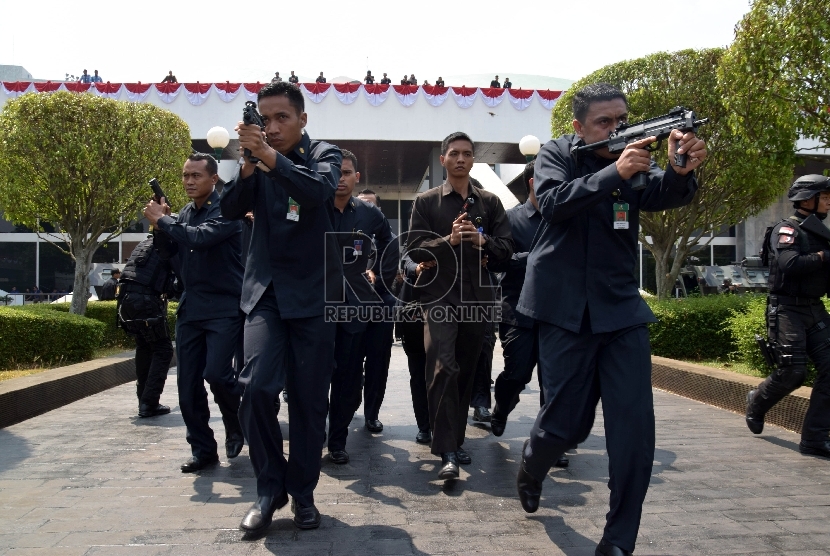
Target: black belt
(132, 287)
(789, 300)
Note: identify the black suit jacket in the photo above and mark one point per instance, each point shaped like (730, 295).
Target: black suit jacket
(300, 257)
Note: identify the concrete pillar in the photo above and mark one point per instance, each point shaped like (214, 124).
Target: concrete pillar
(436, 171)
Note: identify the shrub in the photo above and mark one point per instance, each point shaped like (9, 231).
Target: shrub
(694, 328)
(751, 320)
(35, 336)
(104, 311)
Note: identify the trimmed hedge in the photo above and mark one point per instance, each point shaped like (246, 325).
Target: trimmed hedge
(33, 335)
(743, 325)
(694, 328)
(104, 311)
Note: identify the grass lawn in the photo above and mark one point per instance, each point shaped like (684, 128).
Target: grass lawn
(14, 373)
(735, 367)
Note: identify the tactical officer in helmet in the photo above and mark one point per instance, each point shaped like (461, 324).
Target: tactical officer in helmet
(798, 325)
(142, 293)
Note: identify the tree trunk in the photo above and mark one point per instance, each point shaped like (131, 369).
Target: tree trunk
(82, 253)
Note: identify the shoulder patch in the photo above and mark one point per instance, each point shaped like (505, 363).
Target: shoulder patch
(786, 230)
(784, 239)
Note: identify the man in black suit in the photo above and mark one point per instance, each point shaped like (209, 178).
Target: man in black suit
(208, 320)
(593, 339)
(292, 269)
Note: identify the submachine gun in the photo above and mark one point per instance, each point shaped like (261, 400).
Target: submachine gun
(814, 226)
(251, 116)
(661, 127)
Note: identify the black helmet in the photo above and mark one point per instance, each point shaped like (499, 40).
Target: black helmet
(807, 187)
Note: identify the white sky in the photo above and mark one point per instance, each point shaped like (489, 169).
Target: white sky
(247, 41)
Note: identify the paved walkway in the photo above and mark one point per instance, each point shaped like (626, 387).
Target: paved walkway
(90, 478)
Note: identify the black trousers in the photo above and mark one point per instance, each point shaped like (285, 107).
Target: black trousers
(297, 354)
(344, 398)
(412, 340)
(152, 362)
(377, 351)
(452, 349)
(521, 353)
(153, 346)
(798, 328)
(484, 369)
(578, 370)
(204, 352)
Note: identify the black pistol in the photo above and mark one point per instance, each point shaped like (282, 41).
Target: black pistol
(157, 192)
(251, 116)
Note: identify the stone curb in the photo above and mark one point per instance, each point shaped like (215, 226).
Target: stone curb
(726, 390)
(29, 396)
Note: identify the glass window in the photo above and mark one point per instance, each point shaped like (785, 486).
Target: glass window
(724, 254)
(17, 266)
(57, 269)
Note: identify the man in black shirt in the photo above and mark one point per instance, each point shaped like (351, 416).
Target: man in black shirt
(208, 320)
(293, 268)
(440, 82)
(276, 78)
(293, 78)
(455, 225)
(385, 80)
(593, 340)
(405, 80)
(108, 289)
(320, 78)
(369, 79)
(507, 83)
(798, 325)
(169, 78)
(495, 83)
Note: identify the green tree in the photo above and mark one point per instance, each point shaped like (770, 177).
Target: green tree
(81, 163)
(739, 177)
(781, 58)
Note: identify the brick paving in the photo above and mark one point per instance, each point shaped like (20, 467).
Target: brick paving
(90, 478)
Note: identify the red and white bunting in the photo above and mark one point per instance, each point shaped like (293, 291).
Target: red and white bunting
(168, 91)
(376, 94)
(548, 98)
(108, 90)
(227, 91)
(137, 92)
(407, 94)
(492, 96)
(316, 92)
(346, 92)
(464, 96)
(252, 90)
(197, 93)
(16, 88)
(435, 95)
(520, 98)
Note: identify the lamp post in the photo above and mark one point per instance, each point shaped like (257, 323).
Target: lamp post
(218, 139)
(529, 145)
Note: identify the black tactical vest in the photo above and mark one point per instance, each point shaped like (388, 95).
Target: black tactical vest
(146, 268)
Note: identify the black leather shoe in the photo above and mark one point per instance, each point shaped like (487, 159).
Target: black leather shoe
(820, 448)
(497, 425)
(195, 464)
(755, 423)
(463, 457)
(605, 548)
(423, 437)
(340, 457)
(530, 490)
(563, 461)
(481, 414)
(305, 517)
(373, 425)
(449, 467)
(233, 444)
(145, 410)
(259, 517)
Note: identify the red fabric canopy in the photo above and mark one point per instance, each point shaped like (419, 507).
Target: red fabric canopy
(228, 87)
(47, 87)
(346, 87)
(201, 88)
(520, 93)
(317, 88)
